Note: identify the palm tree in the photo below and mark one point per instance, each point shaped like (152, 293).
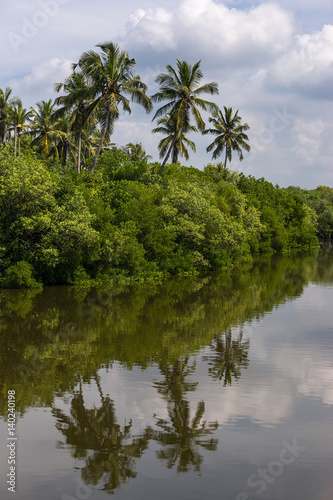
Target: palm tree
(180, 88)
(136, 152)
(230, 134)
(91, 136)
(46, 129)
(66, 145)
(113, 78)
(6, 105)
(78, 96)
(20, 117)
(168, 126)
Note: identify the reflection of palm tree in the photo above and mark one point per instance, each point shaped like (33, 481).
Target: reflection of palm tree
(228, 357)
(96, 437)
(181, 436)
(174, 384)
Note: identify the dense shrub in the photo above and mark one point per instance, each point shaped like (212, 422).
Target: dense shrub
(124, 221)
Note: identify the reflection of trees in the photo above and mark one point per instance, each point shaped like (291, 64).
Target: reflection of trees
(175, 385)
(180, 436)
(48, 337)
(228, 357)
(95, 436)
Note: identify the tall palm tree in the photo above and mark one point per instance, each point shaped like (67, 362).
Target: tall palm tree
(136, 152)
(230, 134)
(19, 117)
(91, 136)
(6, 106)
(46, 128)
(168, 126)
(180, 88)
(79, 94)
(113, 78)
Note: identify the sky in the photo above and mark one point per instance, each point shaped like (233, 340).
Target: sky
(273, 62)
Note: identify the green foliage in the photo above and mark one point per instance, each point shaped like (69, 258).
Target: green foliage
(41, 222)
(20, 275)
(288, 222)
(126, 222)
(320, 200)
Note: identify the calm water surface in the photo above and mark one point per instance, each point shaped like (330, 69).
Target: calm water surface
(214, 387)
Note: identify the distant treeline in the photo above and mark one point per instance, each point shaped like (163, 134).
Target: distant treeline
(127, 222)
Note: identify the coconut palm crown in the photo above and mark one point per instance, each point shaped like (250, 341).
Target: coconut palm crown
(181, 88)
(230, 134)
(167, 126)
(115, 84)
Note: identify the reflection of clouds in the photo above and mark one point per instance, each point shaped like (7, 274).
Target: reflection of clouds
(266, 402)
(316, 381)
(299, 344)
(289, 355)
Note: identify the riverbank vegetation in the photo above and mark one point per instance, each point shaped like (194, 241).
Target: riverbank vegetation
(126, 221)
(75, 208)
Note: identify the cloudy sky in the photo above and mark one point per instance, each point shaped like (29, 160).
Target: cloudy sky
(273, 62)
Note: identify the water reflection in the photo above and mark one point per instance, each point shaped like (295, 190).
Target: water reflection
(55, 342)
(228, 356)
(181, 436)
(95, 436)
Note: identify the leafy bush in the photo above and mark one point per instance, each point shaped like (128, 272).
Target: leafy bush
(20, 275)
(125, 222)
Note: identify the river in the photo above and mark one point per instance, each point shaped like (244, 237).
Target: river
(217, 386)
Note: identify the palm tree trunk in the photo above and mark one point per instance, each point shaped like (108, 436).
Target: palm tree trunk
(226, 158)
(101, 142)
(19, 143)
(168, 154)
(15, 136)
(79, 151)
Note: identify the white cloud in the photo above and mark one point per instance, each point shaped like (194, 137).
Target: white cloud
(308, 138)
(127, 130)
(41, 80)
(308, 65)
(254, 53)
(152, 28)
(213, 30)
